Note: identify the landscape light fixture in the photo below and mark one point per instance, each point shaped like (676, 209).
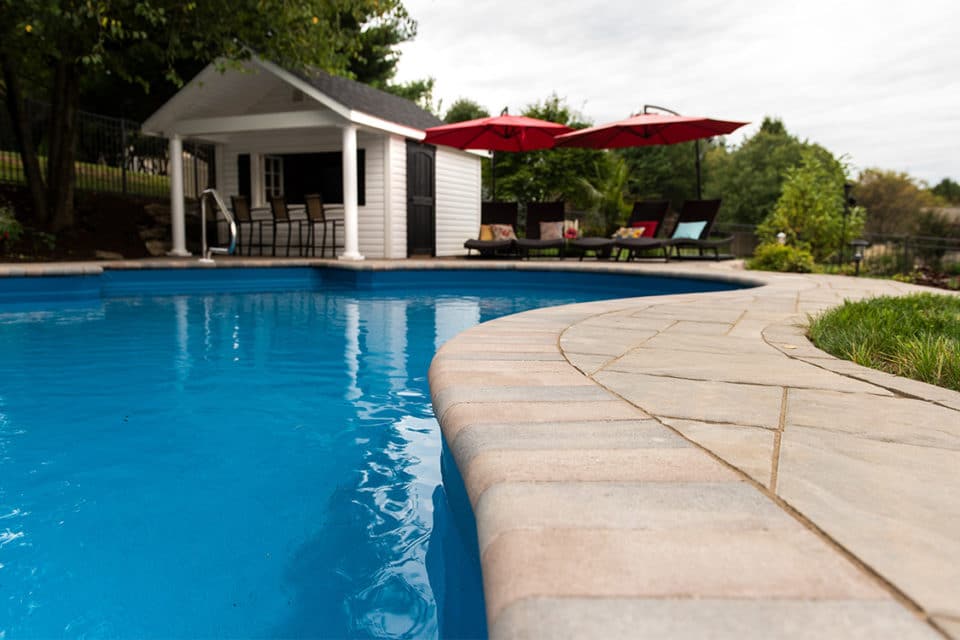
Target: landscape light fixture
(859, 245)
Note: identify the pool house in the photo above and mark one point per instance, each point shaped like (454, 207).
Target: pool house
(281, 133)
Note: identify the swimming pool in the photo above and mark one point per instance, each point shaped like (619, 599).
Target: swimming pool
(245, 464)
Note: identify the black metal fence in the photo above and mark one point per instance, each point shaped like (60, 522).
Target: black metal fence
(112, 155)
(891, 254)
(744, 238)
(886, 255)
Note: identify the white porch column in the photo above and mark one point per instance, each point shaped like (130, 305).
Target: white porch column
(351, 244)
(175, 171)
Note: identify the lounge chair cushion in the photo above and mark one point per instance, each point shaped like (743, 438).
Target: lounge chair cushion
(689, 230)
(649, 227)
(503, 232)
(486, 234)
(551, 230)
(629, 232)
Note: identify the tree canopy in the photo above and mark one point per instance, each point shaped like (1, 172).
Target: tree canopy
(665, 172)
(811, 210)
(464, 109)
(893, 200)
(551, 174)
(50, 49)
(750, 177)
(948, 190)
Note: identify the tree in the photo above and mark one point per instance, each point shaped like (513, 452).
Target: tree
(50, 49)
(749, 178)
(605, 189)
(464, 109)
(665, 172)
(948, 190)
(375, 61)
(811, 209)
(417, 91)
(893, 200)
(551, 174)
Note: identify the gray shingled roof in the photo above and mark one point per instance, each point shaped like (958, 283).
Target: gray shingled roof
(364, 98)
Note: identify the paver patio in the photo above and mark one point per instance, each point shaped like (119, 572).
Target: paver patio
(734, 481)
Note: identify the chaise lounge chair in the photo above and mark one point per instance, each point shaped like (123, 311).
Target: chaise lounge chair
(650, 215)
(694, 225)
(544, 228)
(494, 213)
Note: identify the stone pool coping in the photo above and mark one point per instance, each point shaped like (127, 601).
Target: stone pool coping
(690, 465)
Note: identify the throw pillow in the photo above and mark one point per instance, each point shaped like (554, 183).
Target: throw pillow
(486, 234)
(503, 232)
(628, 232)
(551, 230)
(649, 226)
(689, 230)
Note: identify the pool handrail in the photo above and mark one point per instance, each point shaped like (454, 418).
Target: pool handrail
(231, 224)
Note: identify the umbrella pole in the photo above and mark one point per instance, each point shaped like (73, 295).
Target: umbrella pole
(696, 147)
(493, 176)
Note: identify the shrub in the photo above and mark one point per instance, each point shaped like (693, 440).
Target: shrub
(810, 210)
(781, 257)
(10, 228)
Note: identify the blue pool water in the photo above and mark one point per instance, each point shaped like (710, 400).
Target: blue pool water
(243, 464)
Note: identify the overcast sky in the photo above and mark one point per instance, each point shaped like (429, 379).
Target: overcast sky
(878, 81)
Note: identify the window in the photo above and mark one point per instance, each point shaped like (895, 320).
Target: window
(272, 176)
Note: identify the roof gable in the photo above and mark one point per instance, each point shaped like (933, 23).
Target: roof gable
(349, 99)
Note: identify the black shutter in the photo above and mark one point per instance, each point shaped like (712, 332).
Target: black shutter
(243, 176)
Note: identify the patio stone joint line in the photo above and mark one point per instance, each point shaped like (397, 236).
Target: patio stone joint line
(777, 438)
(734, 324)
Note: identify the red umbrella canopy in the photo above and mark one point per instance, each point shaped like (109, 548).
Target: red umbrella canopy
(647, 129)
(498, 133)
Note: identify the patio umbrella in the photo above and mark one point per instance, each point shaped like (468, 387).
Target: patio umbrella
(497, 133)
(648, 129)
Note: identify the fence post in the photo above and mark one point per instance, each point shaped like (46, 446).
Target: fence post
(123, 156)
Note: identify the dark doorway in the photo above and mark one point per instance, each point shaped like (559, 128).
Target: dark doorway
(421, 212)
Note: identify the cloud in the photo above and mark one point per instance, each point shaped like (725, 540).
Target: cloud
(875, 81)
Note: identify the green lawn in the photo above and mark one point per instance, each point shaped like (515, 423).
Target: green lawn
(91, 177)
(915, 336)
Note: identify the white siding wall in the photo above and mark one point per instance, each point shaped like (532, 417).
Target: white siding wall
(371, 214)
(458, 200)
(397, 162)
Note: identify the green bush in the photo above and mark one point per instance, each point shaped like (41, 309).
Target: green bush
(10, 228)
(810, 210)
(780, 257)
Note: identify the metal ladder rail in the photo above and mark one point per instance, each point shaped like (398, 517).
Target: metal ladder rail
(231, 222)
